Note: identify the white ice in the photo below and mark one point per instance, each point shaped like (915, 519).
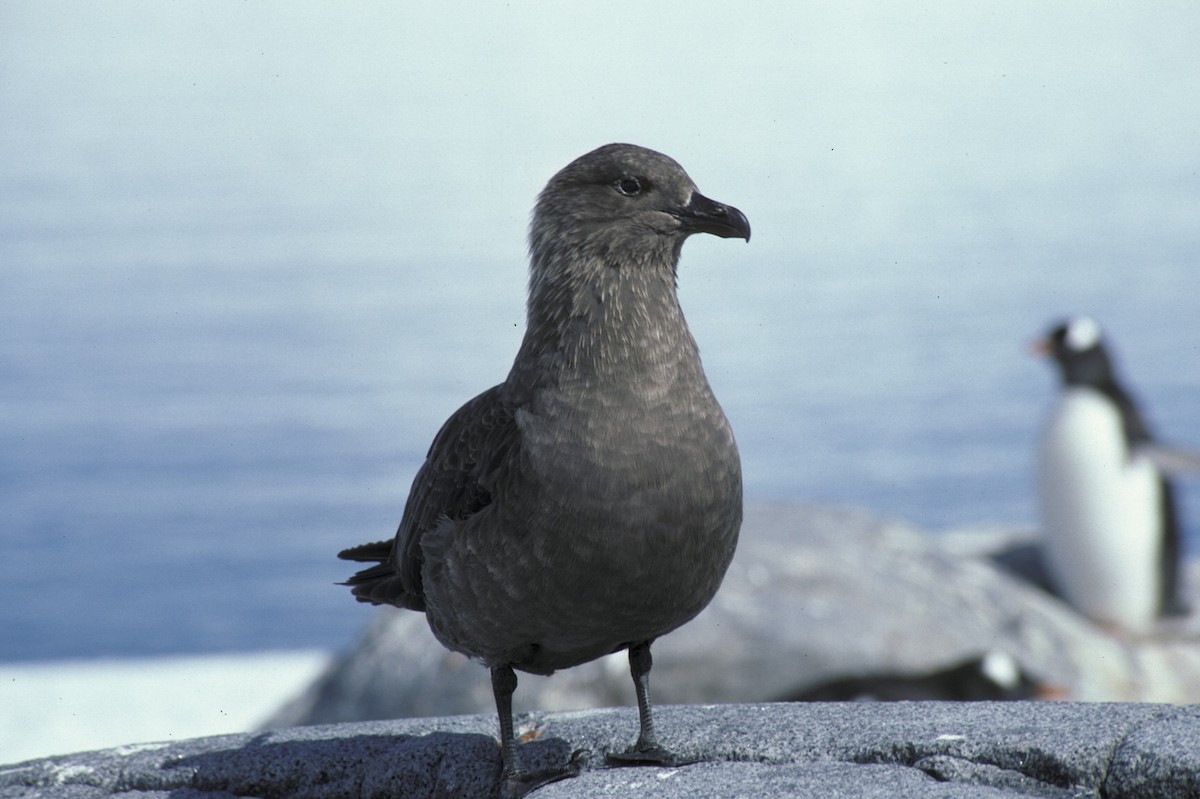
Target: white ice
(58, 707)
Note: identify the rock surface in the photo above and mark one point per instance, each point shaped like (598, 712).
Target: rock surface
(900, 750)
(814, 594)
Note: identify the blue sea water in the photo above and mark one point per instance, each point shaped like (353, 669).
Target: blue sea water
(252, 255)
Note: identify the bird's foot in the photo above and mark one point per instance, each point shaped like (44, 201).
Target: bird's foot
(648, 756)
(517, 785)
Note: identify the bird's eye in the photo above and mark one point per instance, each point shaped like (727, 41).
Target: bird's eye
(630, 187)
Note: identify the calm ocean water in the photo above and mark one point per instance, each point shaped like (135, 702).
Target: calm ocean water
(252, 255)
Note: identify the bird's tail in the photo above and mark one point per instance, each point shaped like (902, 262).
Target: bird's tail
(377, 552)
(379, 584)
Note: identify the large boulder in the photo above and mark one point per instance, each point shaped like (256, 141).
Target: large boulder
(815, 594)
(903, 750)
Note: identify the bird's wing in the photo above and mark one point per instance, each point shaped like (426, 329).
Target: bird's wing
(452, 484)
(1169, 460)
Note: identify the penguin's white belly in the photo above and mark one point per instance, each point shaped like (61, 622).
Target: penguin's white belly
(1100, 513)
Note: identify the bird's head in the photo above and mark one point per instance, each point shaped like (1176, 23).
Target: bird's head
(1077, 346)
(623, 204)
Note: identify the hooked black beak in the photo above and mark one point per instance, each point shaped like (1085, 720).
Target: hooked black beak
(702, 215)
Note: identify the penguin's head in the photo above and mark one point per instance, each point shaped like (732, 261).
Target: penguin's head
(1077, 346)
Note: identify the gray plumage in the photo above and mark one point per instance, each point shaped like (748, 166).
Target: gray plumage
(591, 502)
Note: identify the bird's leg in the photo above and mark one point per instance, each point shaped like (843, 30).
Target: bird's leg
(515, 781)
(640, 663)
(504, 683)
(647, 751)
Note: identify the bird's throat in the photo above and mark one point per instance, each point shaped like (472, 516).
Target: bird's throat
(617, 325)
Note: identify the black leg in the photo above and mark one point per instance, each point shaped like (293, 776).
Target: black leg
(515, 781)
(504, 683)
(647, 751)
(640, 663)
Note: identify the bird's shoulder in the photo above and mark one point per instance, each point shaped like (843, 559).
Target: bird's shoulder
(477, 439)
(456, 479)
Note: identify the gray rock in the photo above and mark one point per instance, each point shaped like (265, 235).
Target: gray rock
(895, 750)
(1158, 759)
(814, 594)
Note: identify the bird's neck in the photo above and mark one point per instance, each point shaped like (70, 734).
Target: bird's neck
(1093, 369)
(606, 323)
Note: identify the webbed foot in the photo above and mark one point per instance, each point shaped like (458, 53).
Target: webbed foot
(520, 783)
(648, 756)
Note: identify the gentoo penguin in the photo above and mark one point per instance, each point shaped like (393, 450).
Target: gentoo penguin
(1111, 533)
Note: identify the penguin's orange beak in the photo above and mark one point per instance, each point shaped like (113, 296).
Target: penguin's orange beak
(1040, 347)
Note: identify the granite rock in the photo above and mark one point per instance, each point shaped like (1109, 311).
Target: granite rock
(901, 750)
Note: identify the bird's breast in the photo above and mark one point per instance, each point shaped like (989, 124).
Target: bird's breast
(1100, 511)
(1084, 434)
(639, 444)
